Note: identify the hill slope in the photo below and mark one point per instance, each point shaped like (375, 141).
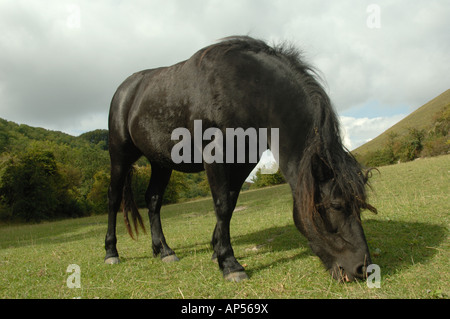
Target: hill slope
(421, 119)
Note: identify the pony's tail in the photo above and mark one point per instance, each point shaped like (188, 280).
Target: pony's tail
(129, 205)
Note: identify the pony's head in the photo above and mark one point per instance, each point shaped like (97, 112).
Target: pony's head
(327, 209)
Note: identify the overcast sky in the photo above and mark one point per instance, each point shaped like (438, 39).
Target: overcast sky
(61, 61)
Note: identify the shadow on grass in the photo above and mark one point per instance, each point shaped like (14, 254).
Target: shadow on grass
(49, 233)
(394, 245)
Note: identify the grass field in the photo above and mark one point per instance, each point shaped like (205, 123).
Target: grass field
(408, 239)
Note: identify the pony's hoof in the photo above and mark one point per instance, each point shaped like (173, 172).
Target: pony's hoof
(170, 259)
(236, 276)
(112, 260)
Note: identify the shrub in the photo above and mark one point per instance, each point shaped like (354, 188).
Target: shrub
(33, 189)
(263, 180)
(98, 195)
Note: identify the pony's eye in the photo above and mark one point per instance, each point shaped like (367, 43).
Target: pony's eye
(337, 205)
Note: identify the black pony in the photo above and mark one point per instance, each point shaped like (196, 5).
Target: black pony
(243, 83)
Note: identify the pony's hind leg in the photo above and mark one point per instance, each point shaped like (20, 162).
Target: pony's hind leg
(118, 174)
(120, 167)
(158, 182)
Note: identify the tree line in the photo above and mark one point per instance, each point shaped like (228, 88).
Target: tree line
(414, 144)
(47, 175)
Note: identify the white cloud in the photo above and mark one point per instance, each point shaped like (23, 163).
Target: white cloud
(58, 69)
(357, 131)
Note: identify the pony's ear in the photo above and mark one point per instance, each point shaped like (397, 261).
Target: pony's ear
(320, 169)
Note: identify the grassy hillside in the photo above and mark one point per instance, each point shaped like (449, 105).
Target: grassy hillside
(408, 239)
(421, 119)
(37, 163)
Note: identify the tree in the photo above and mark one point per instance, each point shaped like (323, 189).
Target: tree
(33, 189)
(139, 182)
(177, 185)
(263, 180)
(30, 186)
(412, 145)
(98, 196)
(4, 137)
(97, 137)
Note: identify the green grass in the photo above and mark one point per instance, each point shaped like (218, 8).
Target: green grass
(409, 237)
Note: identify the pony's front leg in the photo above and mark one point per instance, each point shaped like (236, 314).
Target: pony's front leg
(218, 178)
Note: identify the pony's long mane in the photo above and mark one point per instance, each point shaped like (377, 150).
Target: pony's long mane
(324, 148)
